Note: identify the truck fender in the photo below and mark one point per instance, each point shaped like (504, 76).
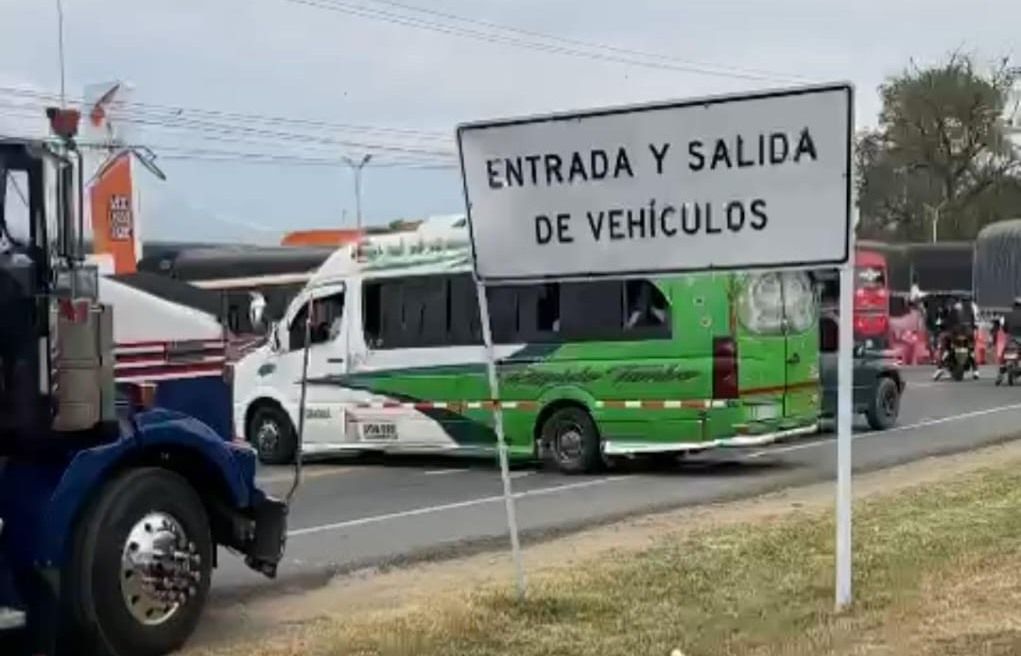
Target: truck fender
(89, 469)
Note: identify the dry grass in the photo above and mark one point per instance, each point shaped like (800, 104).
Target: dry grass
(935, 573)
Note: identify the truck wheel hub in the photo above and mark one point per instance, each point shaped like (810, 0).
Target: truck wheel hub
(160, 568)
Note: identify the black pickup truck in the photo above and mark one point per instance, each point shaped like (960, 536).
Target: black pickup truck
(878, 383)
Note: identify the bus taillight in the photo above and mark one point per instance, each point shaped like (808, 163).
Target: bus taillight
(724, 368)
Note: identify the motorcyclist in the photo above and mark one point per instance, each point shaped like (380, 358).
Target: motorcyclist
(1010, 324)
(959, 318)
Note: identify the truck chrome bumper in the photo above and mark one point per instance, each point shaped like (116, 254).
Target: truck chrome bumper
(11, 619)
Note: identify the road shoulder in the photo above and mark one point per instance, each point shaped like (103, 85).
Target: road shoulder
(375, 594)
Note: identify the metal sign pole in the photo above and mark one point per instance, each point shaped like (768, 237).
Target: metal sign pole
(844, 414)
(501, 442)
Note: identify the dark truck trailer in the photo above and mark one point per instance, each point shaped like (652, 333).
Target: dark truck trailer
(943, 267)
(998, 265)
(233, 262)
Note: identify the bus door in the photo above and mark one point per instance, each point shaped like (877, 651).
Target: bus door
(327, 354)
(801, 345)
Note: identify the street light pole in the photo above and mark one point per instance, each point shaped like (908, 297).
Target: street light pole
(936, 212)
(60, 50)
(357, 167)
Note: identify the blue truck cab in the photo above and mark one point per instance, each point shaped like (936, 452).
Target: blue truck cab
(111, 508)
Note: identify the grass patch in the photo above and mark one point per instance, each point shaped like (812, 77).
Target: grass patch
(759, 588)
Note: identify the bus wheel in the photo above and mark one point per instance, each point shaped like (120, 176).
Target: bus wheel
(143, 571)
(572, 441)
(272, 435)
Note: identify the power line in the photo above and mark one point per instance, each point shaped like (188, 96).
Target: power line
(274, 158)
(244, 135)
(178, 152)
(586, 44)
(182, 112)
(589, 51)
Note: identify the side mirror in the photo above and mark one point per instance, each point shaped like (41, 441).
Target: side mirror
(274, 337)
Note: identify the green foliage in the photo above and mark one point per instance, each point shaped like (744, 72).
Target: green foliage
(941, 149)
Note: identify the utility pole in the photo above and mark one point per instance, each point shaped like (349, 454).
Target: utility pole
(357, 167)
(60, 50)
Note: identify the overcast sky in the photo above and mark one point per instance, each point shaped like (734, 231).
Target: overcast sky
(411, 86)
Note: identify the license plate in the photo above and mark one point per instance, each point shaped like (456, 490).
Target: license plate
(761, 412)
(379, 431)
(1010, 356)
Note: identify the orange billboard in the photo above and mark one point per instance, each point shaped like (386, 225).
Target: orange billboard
(325, 237)
(112, 205)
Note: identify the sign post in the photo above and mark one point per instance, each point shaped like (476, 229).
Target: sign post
(501, 440)
(743, 182)
(844, 415)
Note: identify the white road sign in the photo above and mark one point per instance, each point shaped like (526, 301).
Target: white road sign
(738, 182)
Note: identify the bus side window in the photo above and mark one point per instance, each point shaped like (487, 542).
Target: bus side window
(503, 314)
(592, 310)
(425, 312)
(648, 312)
(539, 313)
(463, 311)
(420, 312)
(372, 314)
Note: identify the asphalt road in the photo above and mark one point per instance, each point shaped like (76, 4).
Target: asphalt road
(350, 514)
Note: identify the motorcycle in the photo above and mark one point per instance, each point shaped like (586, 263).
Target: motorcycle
(1010, 366)
(958, 355)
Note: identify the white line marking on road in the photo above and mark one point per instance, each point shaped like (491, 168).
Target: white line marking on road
(444, 472)
(896, 429)
(286, 477)
(521, 474)
(375, 519)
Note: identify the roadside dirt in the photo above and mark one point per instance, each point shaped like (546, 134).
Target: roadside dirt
(387, 592)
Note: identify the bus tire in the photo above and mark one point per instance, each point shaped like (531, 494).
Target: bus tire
(571, 441)
(156, 514)
(271, 433)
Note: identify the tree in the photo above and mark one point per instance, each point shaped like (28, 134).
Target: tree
(941, 154)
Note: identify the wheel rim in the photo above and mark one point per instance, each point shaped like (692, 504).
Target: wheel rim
(570, 438)
(267, 436)
(160, 569)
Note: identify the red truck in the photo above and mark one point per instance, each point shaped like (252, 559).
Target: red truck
(871, 299)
